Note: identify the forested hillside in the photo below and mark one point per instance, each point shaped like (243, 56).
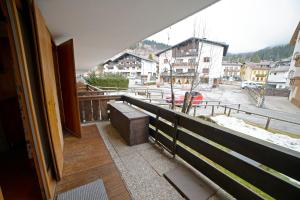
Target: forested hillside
(270, 53)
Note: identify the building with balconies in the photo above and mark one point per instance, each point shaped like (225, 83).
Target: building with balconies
(132, 66)
(278, 74)
(190, 55)
(232, 70)
(257, 72)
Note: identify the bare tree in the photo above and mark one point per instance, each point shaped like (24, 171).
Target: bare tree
(171, 74)
(188, 97)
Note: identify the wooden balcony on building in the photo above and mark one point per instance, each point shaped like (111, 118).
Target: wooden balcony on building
(191, 143)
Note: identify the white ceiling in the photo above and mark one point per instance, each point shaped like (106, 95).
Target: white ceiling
(103, 28)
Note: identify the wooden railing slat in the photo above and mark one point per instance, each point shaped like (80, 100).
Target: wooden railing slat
(279, 188)
(224, 181)
(96, 110)
(263, 152)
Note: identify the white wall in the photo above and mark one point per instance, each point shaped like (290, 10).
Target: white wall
(148, 67)
(278, 78)
(161, 58)
(215, 64)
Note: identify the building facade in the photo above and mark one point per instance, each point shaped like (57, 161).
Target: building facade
(132, 66)
(194, 54)
(232, 71)
(294, 71)
(278, 74)
(257, 72)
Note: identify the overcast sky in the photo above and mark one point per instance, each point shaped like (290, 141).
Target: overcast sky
(246, 25)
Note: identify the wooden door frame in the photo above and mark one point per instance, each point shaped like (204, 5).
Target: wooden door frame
(45, 176)
(54, 129)
(66, 74)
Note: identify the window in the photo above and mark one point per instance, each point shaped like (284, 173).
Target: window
(193, 50)
(179, 70)
(191, 70)
(165, 61)
(179, 61)
(205, 70)
(206, 59)
(192, 60)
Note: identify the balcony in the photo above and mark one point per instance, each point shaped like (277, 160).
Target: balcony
(243, 166)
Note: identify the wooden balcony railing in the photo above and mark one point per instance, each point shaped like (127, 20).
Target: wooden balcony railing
(219, 153)
(244, 166)
(94, 107)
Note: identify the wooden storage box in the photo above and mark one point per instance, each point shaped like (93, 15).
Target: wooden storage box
(132, 124)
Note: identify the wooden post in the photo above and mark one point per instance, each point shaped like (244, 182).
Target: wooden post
(239, 106)
(268, 123)
(156, 128)
(195, 110)
(206, 104)
(212, 110)
(225, 108)
(147, 92)
(175, 136)
(229, 112)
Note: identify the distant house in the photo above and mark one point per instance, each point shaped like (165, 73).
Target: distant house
(278, 74)
(184, 56)
(132, 66)
(294, 72)
(232, 70)
(257, 72)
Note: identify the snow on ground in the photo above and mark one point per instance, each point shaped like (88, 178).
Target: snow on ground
(242, 127)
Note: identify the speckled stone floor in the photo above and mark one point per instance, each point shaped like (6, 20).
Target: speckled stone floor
(142, 167)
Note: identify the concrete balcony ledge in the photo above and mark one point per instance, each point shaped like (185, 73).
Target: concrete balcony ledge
(142, 168)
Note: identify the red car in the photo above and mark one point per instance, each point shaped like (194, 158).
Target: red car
(180, 98)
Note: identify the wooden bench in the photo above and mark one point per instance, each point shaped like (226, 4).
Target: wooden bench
(132, 124)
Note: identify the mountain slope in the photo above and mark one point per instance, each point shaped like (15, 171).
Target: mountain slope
(270, 53)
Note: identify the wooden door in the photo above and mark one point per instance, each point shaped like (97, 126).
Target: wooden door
(30, 99)
(48, 81)
(67, 80)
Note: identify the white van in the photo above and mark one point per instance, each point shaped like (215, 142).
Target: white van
(249, 84)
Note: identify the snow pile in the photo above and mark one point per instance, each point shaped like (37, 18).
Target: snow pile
(242, 127)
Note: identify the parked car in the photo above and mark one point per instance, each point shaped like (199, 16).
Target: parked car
(138, 81)
(180, 98)
(250, 84)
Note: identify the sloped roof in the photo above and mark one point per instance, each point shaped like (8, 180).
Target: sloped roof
(127, 54)
(201, 40)
(280, 69)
